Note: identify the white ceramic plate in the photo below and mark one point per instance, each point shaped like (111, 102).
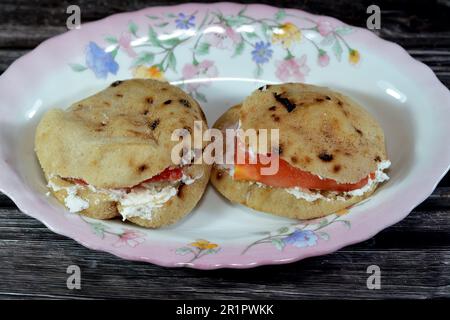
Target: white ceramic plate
(219, 53)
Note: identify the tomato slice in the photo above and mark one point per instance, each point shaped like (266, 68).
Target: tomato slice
(289, 176)
(169, 174)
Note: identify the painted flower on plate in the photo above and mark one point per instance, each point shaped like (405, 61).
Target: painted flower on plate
(205, 69)
(302, 238)
(222, 36)
(354, 56)
(100, 61)
(292, 69)
(262, 52)
(204, 245)
(125, 44)
(324, 27)
(184, 21)
(286, 34)
(130, 238)
(323, 59)
(146, 72)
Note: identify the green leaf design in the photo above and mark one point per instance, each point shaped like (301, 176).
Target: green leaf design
(211, 251)
(133, 28)
(329, 39)
(161, 25)
(171, 42)
(153, 37)
(242, 11)
(77, 67)
(280, 15)
(266, 30)
(323, 235)
(172, 61)
(202, 48)
(278, 243)
(183, 251)
(252, 35)
(346, 222)
(283, 230)
(239, 49)
(235, 21)
(111, 39)
(344, 30)
(258, 71)
(144, 58)
(337, 50)
(170, 15)
(114, 52)
(98, 229)
(152, 17)
(200, 96)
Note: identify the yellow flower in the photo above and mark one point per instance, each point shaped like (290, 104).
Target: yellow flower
(145, 72)
(287, 34)
(203, 244)
(353, 56)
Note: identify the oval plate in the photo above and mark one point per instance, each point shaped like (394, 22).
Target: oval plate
(220, 53)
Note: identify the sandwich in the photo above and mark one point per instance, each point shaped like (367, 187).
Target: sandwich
(331, 152)
(109, 155)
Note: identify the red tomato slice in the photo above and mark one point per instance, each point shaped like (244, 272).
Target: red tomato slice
(289, 176)
(169, 174)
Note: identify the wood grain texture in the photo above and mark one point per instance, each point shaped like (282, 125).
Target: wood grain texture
(414, 255)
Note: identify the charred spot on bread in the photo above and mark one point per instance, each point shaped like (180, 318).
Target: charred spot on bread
(185, 103)
(319, 100)
(275, 118)
(358, 131)
(377, 159)
(273, 108)
(149, 100)
(326, 157)
(142, 168)
(116, 83)
(154, 124)
(294, 159)
(119, 95)
(167, 102)
(336, 168)
(219, 175)
(284, 101)
(328, 97)
(264, 87)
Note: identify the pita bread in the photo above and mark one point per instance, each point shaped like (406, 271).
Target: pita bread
(116, 139)
(272, 199)
(321, 131)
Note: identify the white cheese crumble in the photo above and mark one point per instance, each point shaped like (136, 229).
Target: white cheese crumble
(140, 202)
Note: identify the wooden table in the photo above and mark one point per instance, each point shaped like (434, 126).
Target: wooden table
(414, 255)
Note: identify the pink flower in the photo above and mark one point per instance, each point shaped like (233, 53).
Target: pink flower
(130, 238)
(292, 68)
(324, 59)
(324, 27)
(125, 44)
(205, 69)
(222, 37)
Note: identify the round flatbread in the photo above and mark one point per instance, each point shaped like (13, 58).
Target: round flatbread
(118, 137)
(277, 200)
(321, 131)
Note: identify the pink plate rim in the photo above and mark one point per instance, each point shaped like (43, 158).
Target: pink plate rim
(12, 185)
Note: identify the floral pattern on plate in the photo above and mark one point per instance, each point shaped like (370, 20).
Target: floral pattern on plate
(151, 48)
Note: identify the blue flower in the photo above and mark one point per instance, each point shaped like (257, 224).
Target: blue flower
(185, 22)
(99, 61)
(262, 52)
(302, 238)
